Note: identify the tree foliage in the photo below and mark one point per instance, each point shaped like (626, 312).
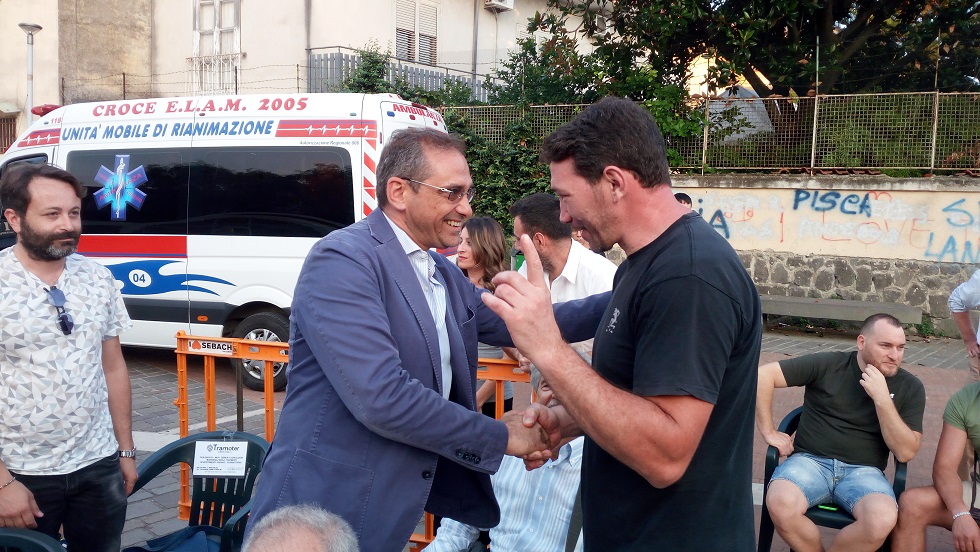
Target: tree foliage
(558, 71)
(555, 73)
(865, 45)
(503, 172)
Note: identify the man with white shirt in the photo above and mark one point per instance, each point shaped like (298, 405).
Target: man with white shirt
(535, 506)
(580, 272)
(966, 297)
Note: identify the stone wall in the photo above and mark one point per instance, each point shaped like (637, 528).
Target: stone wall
(921, 284)
(870, 238)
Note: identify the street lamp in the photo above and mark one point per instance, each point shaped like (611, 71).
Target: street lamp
(30, 29)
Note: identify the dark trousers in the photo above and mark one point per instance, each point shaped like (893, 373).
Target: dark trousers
(489, 408)
(90, 504)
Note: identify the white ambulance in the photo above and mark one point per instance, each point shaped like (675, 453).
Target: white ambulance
(204, 208)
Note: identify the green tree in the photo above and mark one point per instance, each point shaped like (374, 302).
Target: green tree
(371, 74)
(558, 72)
(865, 45)
(504, 171)
(555, 73)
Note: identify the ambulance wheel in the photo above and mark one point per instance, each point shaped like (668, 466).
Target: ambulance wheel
(264, 326)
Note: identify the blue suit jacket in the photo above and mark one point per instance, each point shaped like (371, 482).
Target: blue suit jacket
(364, 430)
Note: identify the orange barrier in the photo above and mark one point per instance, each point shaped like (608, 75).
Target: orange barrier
(270, 352)
(500, 370)
(497, 370)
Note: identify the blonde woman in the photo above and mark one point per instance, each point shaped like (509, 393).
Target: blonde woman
(481, 254)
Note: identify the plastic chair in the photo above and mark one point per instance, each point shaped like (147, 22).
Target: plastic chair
(222, 502)
(28, 540)
(824, 515)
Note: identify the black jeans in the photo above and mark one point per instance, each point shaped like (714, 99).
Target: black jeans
(489, 409)
(90, 504)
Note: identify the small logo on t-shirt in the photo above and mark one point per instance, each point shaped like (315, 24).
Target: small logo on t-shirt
(612, 323)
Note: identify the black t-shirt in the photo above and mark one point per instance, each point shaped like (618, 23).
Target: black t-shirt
(839, 418)
(684, 319)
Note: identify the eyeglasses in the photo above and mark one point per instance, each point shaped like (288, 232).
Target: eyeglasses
(57, 299)
(454, 194)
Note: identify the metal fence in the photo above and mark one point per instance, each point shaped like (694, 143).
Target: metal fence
(327, 72)
(204, 76)
(918, 131)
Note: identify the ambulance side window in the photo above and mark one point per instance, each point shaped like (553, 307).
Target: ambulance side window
(34, 159)
(270, 191)
(153, 202)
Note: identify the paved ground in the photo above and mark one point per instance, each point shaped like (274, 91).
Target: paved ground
(152, 511)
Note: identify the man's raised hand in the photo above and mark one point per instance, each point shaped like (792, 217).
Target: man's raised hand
(525, 306)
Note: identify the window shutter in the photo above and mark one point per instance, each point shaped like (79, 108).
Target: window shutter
(405, 29)
(428, 34)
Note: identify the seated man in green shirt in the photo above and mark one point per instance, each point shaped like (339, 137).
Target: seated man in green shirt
(948, 503)
(857, 407)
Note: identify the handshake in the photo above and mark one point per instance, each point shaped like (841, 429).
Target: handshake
(536, 434)
(532, 434)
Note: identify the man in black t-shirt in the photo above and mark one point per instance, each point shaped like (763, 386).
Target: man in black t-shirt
(667, 409)
(857, 407)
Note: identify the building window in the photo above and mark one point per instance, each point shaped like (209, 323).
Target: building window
(416, 31)
(8, 132)
(217, 46)
(217, 27)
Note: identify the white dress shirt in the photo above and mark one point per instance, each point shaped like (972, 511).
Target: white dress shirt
(435, 296)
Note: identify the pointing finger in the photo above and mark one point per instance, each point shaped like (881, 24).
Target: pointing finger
(535, 273)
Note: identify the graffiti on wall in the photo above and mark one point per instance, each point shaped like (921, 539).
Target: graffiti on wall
(921, 225)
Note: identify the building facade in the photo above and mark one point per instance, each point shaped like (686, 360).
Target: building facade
(114, 49)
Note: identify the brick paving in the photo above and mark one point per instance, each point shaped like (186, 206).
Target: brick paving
(152, 511)
(938, 362)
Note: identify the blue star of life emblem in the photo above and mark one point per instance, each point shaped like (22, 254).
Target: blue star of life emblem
(120, 187)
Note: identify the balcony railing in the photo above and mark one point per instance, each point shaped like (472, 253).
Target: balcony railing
(330, 67)
(216, 74)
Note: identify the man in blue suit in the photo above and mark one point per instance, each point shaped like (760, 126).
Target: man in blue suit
(378, 421)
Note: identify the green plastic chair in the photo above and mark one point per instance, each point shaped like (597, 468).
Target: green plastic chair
(222, 502)
(27, 540)
(824, 515)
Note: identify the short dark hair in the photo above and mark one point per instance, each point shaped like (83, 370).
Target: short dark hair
(681, 197)
(405, 156)
(541, 212)
(614, 131)
(14, 185)
(869, 323)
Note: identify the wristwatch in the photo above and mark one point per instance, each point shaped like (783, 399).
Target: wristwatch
(128, 453)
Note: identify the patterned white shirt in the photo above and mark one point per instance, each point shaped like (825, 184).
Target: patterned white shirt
(53, 393)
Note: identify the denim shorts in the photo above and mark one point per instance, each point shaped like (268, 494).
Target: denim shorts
(824, 480)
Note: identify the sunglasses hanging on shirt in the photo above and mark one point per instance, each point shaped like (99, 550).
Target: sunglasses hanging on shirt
(57, 299)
